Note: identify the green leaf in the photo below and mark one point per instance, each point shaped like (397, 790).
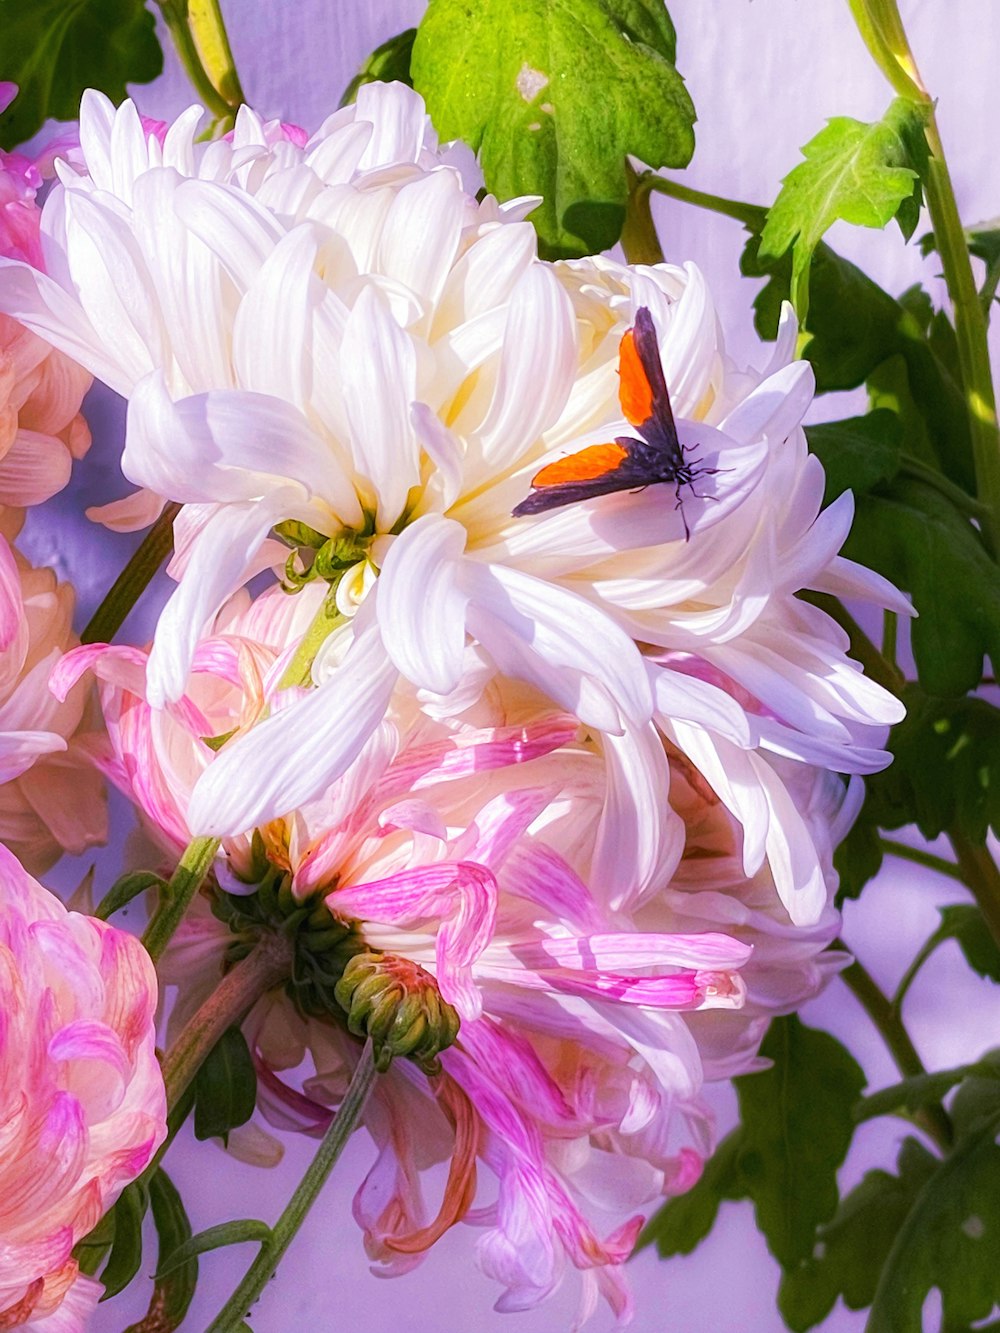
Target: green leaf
(949, 1239)
(54, 49)
(213, 1238)
(124, 889)
(858, 859)
(388, 63)
(978, 1098)
(857, 331)
(855, 172)
(945, 775)
(90, 1251)
(918, 539)
(225, 1087)
(126, 1251)
(172, 1296)
(852, 1249)
(921, 1090)
(965, 923)
(797, 1124)
(552, 95)
(683, 1223)
(858, 453)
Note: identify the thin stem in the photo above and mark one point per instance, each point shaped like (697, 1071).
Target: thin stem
(960, 498)
(751, 215)
(299, 669)
(134, 579)
(882, 28)
(639, 241)
(232, 1316)
(921, 858)
(209, 31)
(933, 1120)
(175, 16)
(266, 966)
(184, 883)
(910, 975)
(981, 876)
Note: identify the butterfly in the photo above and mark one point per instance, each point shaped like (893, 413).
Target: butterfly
(657, 456)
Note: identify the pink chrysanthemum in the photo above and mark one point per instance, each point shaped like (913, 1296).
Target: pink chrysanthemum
(82, 1106)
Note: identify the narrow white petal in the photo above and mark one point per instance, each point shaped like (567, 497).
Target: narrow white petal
(294, 755)
(421, 604)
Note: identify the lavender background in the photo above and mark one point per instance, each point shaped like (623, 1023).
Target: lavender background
(764, 77)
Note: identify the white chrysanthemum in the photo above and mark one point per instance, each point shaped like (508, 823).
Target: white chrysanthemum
(341, 336)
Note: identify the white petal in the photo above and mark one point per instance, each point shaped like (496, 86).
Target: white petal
(216, 567)
(775, 407)
(295, 754)
(421, 605)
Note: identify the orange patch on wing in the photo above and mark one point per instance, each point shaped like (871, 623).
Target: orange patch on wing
(597, 461)
(634, 391)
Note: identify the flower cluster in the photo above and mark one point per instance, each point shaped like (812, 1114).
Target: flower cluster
(542, 795)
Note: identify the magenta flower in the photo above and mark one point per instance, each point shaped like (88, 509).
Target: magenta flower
(82, 1106)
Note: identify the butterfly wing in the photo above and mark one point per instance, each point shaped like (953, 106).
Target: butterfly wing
(642, 389)
(597, 470)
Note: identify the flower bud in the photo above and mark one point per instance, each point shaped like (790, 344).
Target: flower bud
(397, 1004)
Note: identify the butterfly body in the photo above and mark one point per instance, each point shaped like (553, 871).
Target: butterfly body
(629, 463)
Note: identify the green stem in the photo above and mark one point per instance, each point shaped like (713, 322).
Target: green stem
(751, 215)
(266, 966)
(184, 883)
(299, 669)
(934, 1120)
(882, 28)
(176, 18)
(134, 579)
(922, 858)
(639, 240)
(960, 498)
(212, 41)
(231, 1318)
(981, 876)
(910, 975)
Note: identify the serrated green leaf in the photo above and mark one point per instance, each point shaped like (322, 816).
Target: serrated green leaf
(855, 172)
(946, 769)
(225, 1087)
(237, 1232)
(857, 453)
(552, 95)
(855, 328)
(683, 1223)
(173, 1294)
(388, 63)
(858, 858)
(917, 538)
(851, 1250)
(920, 1090)
(978, 1098)
(949, 1239)
(54, 49)
(126, 1251)
(797, 1124)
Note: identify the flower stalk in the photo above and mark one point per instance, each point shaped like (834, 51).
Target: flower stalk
(134, 579)
(231, 1317)
(184, 883)
(266, 966)
(881, 26)
(202, 43)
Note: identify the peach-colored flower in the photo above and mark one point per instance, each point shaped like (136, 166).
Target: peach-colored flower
(82, 1107)
(41, 428)
(51, 794)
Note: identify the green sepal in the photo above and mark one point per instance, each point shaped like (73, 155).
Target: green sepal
(126, 1249)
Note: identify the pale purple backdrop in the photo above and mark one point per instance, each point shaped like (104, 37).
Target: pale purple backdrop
(764, 76)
